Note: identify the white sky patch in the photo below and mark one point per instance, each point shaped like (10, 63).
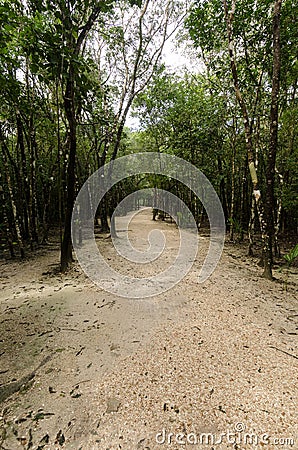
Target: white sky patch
(179, 58)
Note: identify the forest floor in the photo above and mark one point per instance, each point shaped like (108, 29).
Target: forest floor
(209, 366)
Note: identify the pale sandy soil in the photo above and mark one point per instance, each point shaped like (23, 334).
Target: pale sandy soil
(200, 358)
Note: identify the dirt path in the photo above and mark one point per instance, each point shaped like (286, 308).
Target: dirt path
(115, 372)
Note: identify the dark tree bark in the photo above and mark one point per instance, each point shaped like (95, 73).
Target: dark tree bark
(6, 224)
(104, 224)
(33, 195)
(23, 187)
(273, 138)
(16, 225)
(70, 111)
(222, 189)
(69, 105)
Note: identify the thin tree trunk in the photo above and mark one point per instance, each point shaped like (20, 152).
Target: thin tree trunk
(32, 146)
(33, 196)
(242, 203)
(104, 224)
(70, 111)
(66, 248)
(7, 228)
(251, 228)
(113, 227)
(24, 185)
(222, 189)
(263, 215)
(59, 154)
(273, 139)
(12, 201)
(278, 216)
(232, 208)
(45, 223)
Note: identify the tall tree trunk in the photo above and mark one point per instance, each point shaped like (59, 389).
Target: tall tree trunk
(32, 151)
(103, 213)
(16, 224)
(265, 214)
(24, 185)
(59, 154)
(273, 139)
(33, 196)
(222, 189)
(6, 224)
(69, 105)
(242, 218)
(75, 45)
(278, 215)
(233, 164)
(104, 224)
(251, 228)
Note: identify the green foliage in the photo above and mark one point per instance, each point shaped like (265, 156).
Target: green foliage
(252, 42)
(236, 225)
(182, 117)
(292, 255)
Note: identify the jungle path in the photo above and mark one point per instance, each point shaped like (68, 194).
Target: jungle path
(83, 368)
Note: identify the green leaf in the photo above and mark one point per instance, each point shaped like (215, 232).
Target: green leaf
(292, 255)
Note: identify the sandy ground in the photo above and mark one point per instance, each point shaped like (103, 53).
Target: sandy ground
(208, 366)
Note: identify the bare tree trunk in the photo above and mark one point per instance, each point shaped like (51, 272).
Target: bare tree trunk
(66, 247)
(24, 185)
(33, 196)
(222, 189)
(273, 140)
(103, 214)
(264, 214)
(251, 228)
(7, 228)
(278, 216)
(70, 111)
(232, 206)
(32, 150)
(59, 154)
(11, 198)
(243, 202)
(104, 224)
(113, 227)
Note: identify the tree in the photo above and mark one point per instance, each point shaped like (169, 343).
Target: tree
(74, 34)
(249, 40)
(273, 140)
